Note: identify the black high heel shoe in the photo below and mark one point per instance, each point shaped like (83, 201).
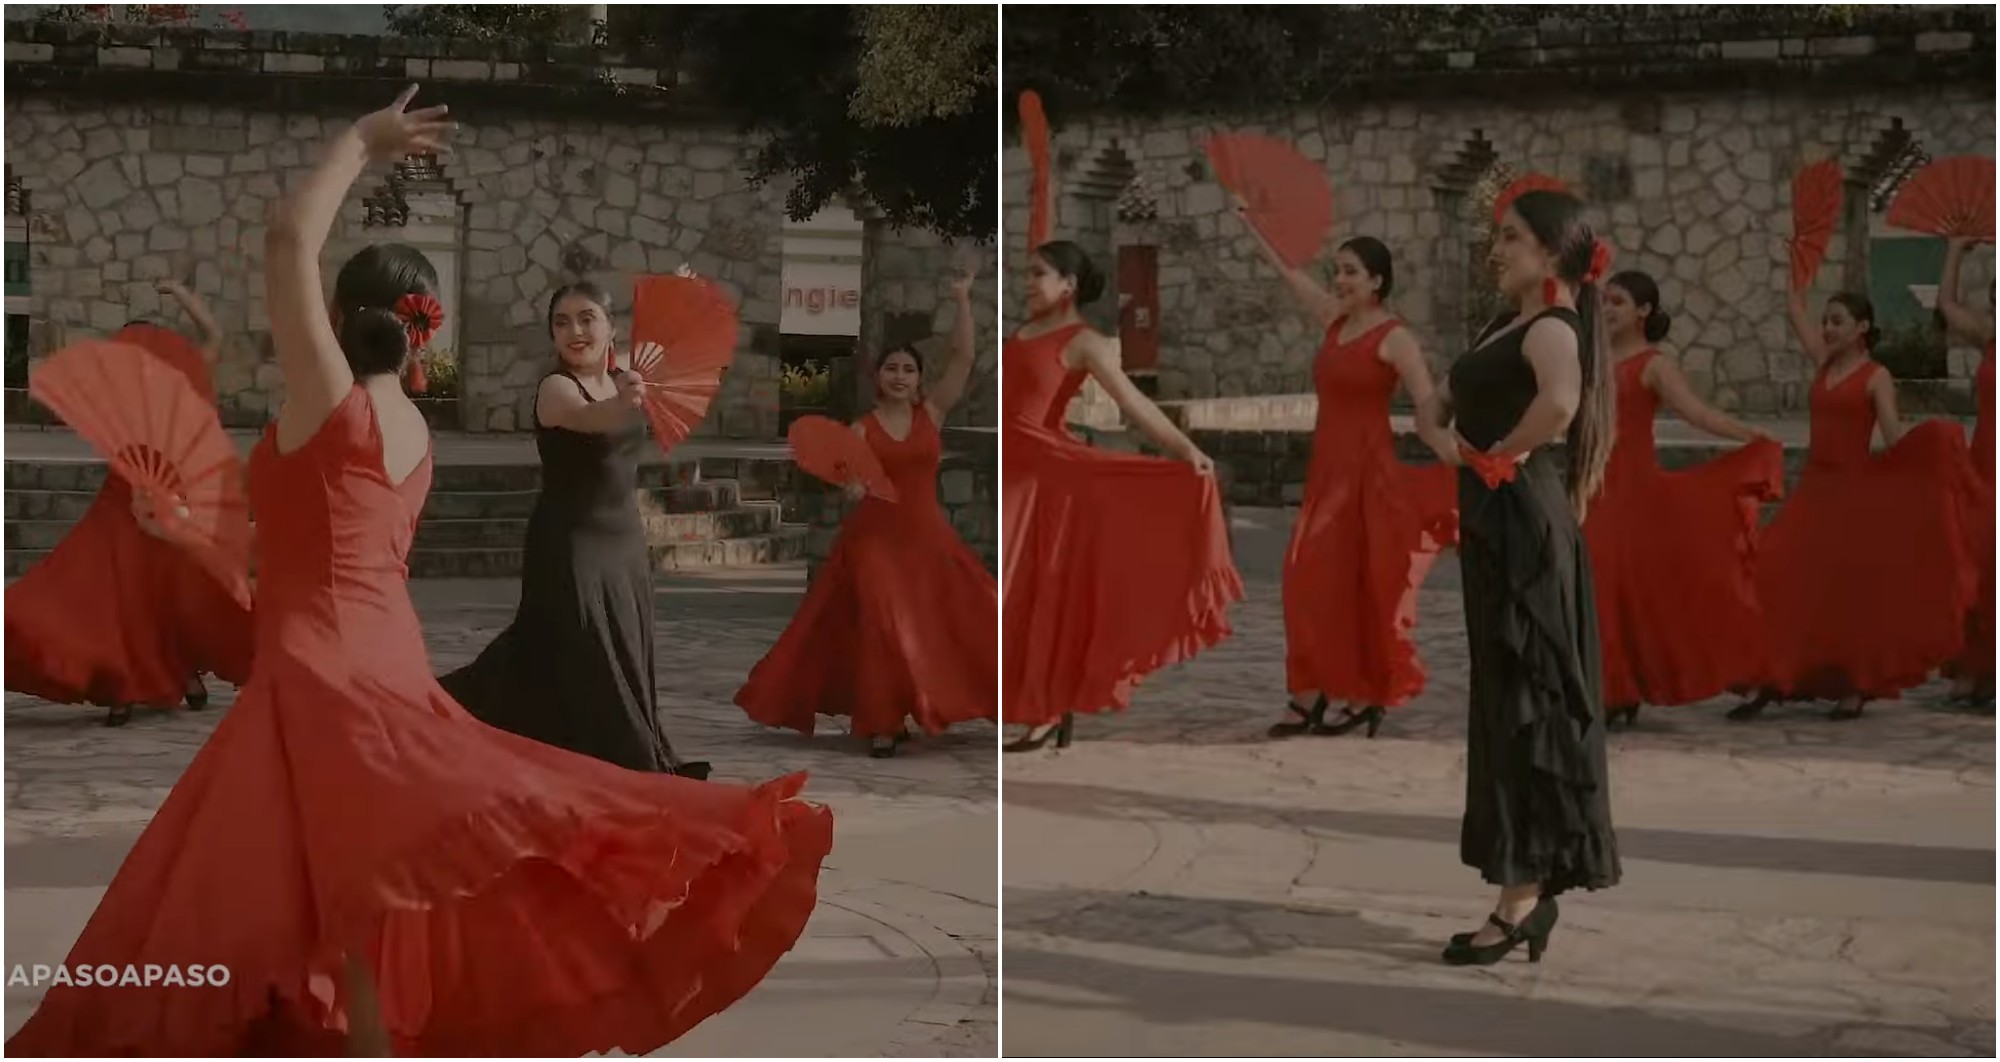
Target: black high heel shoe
(1630, 713)
(1841, 713)
(197, 697)
(877, 750)
(1350, 720)
(1749, 709)
(695, 769)
(1031, 741)
(1533, 931)
(1309, 719)
(118, 715)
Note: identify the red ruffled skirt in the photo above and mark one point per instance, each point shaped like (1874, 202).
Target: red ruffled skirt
(1112, 566)
(509, 897)
(114, 616)
(1867, 575)
(1365, 539)
(1673, 558)
(898, 623)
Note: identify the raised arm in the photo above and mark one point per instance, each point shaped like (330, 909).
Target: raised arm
(1805, 328)
(950, 387)
(210, 339)
(1315, 299)
(1551, 349)
(1957, 316)
(1667, 381)
(1101, 356)
(315, 372)
(1882, 391)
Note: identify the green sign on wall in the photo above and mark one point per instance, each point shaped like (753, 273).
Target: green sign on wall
(17, 268)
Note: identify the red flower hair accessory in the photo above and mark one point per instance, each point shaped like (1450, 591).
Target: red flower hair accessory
(422, 316)
(1601, 257)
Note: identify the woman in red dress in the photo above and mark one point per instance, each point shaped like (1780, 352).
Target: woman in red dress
(1972, 675)
(377, 870)
(899, 622)
(1673, 553)
(1370, 527)
(118, 617)
(1843, 622)
(1112, 565)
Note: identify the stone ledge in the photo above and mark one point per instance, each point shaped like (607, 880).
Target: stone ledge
(311, 71)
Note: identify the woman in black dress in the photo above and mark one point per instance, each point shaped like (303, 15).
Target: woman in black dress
(1537, 802)
(575, 669)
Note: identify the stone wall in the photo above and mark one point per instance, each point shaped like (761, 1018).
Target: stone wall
(1685, 148)
(907, 298)
(147, 152)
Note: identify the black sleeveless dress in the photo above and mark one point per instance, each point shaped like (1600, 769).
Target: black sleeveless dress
(575, 668)
(1537, 793)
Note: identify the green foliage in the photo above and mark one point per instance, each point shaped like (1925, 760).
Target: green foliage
(440, 373)
(1913, 352)
(477, 22)
(896, 103)
(1155, 58)
(807, 385)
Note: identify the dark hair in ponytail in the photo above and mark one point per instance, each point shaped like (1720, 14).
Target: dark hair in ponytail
(1859, 307)
(1069, 260)
(375, 339)
(1645, 292)
(1556, 219)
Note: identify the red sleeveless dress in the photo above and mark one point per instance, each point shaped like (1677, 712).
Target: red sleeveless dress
(114, 616)
(510, 897)
(1673, 557)
(1866, 575)
(1112, 566)
(1976, 663)
(898, 623)
(1367, 535)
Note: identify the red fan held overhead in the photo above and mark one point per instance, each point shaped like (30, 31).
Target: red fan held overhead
(1952, 197)
(164, 440)
(831, 451)
(1035, 137)
(1534, 182)
(1816, 199)
(683, 339)
(1285, 195)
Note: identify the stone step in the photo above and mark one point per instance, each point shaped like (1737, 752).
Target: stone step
(755, 477)
(787, 543)
(718, 495)
(661, 528)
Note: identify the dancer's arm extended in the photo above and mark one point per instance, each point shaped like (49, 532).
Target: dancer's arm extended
(1101, 356)
(210, 339)
(1802, 327)
(950, 387)
(1957, 315)
(1666, 380)
(315, 371)
(559, 403)
(1315, 299)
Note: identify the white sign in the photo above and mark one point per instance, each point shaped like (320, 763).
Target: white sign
(821, 299)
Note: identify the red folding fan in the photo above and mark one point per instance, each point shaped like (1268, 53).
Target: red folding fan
(1952, 197)
(1816, 198)
(1035, 137)
(831, 451)
(1533, 182)
(164, 440)
(683, 339)
(1286, 195)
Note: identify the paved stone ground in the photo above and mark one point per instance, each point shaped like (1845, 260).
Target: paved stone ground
(1178, 884)
(899, 960)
